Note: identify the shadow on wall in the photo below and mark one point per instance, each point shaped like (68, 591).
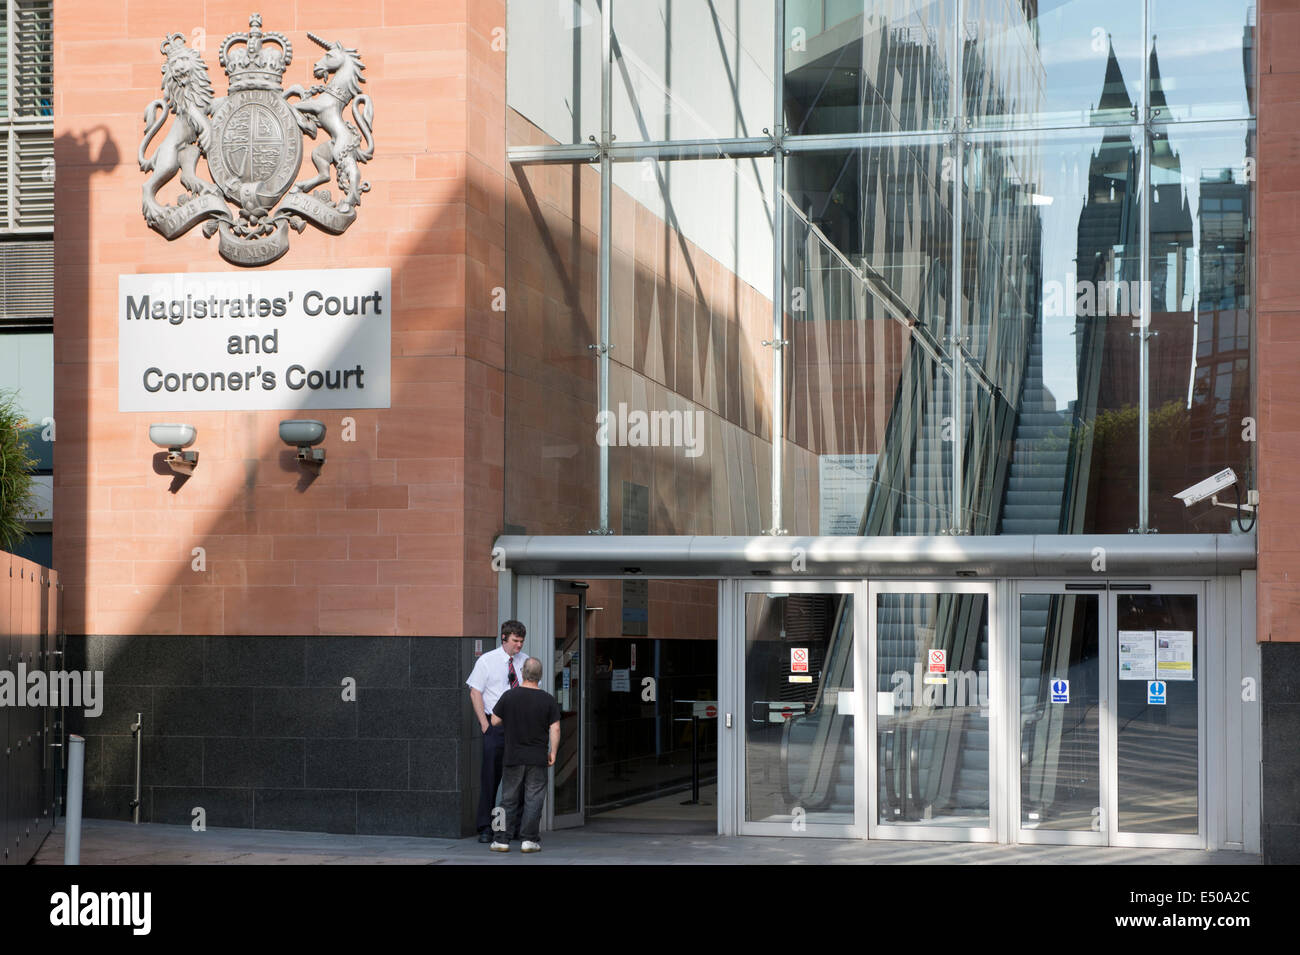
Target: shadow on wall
(236, 658)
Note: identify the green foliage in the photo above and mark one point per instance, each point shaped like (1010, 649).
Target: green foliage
(17, 500)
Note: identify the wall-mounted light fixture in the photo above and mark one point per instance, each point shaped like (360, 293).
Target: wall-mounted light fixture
(305, 435)
(175, 438)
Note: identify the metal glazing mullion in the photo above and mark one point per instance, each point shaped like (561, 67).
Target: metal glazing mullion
(778, 265)
(955, 323)
(602, 347)
(1144, 283)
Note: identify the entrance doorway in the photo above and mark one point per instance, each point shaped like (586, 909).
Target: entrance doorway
(1111, 713)
(1049, 711)
(634, 666)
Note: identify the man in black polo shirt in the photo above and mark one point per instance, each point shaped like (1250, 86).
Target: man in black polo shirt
(531, 719)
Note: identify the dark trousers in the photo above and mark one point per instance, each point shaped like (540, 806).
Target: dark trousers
(494, 749)
(526, 784)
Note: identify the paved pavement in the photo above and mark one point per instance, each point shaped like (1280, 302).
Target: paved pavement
(105, 842)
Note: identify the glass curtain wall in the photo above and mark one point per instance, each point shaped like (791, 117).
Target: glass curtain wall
(878, 267)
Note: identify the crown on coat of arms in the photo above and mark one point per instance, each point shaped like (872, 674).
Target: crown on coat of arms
(255, 66)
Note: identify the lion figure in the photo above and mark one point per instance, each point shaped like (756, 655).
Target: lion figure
(187, 94)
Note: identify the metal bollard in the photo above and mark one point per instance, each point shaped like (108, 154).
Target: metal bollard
(72, 819)
(137, 730)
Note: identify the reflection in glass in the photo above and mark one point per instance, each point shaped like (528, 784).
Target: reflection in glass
(1051, 288)
(1202, 58)
(798, 708)
(1060, 760)
(1157, 746)
(857, 66)
(932, 729)
(1071, 63)
(1202, 240)
(868, 265)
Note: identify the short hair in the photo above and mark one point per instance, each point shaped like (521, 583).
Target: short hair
(513, 627)
(532, 670)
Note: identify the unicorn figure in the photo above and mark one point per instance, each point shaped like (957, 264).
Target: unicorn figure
(341, 66)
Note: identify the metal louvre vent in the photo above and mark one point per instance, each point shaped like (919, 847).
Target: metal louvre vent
(4, 61)
(26, 282)
(34, 173)
(4, 180)
(33, 54)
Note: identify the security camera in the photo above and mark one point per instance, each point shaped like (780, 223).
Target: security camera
(305, 435)
(175, 438)
(1208, 488)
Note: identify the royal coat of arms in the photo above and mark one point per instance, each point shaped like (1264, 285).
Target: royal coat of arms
(252, 140)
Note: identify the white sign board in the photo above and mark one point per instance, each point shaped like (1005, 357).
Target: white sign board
(844, 481)
(254, 341)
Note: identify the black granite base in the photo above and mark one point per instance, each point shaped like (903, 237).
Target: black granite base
(1280, 802)
(256, 732)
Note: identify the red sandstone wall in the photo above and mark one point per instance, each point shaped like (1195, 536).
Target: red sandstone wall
(1278, 320)
(394, 536)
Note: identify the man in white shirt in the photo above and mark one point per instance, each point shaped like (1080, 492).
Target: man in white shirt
(495, 672)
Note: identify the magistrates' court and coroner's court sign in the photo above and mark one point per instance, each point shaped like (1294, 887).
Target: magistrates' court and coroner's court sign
(254, 341)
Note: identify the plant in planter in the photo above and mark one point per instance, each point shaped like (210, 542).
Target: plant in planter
(17, 500)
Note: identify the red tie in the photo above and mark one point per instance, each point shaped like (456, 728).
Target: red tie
(514, 680)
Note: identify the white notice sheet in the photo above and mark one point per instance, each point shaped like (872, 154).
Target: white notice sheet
(1174, 655)
(1137, 654)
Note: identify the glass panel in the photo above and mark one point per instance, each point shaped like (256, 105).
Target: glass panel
(1157, 745)
(1202, 249)
(1051, 285)
(798, 710)
(551, 456)
(689, 427)
(1069, 63)
(932, 727)
(569, 660)
(552, 72)
(692, 70)
(868, 65)
(1202, 58)
(868, 264)
(639, 751)
(1060, 757)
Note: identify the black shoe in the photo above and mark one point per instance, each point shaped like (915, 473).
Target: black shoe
(485, 836)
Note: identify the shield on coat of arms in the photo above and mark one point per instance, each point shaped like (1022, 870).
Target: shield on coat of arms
(257, 148)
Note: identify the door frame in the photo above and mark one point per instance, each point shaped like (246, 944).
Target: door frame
(557, 588)
(1204, 680)
(734, 707)
(1108, 639)
(996, 701)
(1105, 679)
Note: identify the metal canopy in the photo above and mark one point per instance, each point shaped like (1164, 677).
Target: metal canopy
(1101, 555)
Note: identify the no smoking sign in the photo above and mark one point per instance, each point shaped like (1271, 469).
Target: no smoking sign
(938, 661)
(798, 659)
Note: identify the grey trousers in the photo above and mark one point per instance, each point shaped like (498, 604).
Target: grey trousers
(526, 784)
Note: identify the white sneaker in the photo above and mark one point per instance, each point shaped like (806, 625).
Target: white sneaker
(531, 847)
(501, 846)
